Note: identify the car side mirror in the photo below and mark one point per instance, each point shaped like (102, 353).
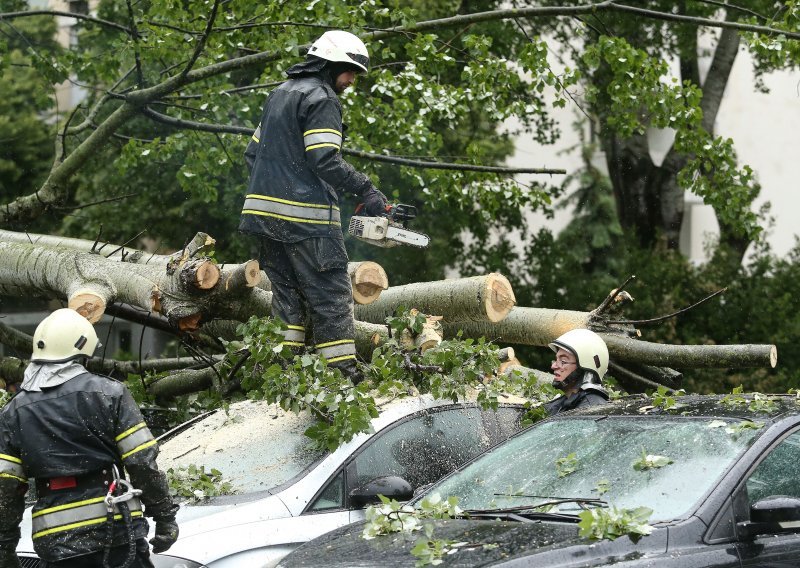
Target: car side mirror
(390, 486)
(773, 515)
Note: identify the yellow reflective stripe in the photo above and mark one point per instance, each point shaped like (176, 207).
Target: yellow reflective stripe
(337, 342)
(315, 146)
(255, 139)
(342, 358)
(10, 458)
(320, 130)
(293, 343)
(90, 522)
(287, 218)
(9, 476)
(296, 327)
(130, 431)
(287, 202)
(139, 448)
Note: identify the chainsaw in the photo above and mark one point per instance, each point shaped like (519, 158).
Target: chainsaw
(390, 230)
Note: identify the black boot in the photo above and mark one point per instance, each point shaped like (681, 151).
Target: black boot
(350, 370)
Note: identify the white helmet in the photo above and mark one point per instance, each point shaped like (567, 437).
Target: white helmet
(62, 336)
(589, 349)
(341, 46)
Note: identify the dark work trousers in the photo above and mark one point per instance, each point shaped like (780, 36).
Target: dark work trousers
(310, 282)
(116, 558)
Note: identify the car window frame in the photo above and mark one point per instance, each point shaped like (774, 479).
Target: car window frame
(342, 469)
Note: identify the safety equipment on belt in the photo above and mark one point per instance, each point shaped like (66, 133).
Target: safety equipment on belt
(166, 534)
(62, 336)
(118, 504)
(343, 47)
(589, 349)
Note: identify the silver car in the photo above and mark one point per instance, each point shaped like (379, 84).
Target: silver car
(285, 492)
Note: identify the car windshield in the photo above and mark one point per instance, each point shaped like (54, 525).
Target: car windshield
(255, 446)
(664, 463)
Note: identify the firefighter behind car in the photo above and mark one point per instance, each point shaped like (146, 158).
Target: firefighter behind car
(77, 434)
(579, 367)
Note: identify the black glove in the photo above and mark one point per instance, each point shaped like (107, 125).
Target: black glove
(166, 535)
(375, 203)
(8, 558)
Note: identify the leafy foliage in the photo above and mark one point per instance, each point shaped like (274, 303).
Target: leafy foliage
(5, 397)
(567, 465)
(611, 523)
(650, 461)
(194, 483)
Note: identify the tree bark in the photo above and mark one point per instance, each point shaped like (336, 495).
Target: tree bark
(480, 298)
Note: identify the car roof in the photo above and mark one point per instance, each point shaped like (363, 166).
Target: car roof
(750, 406)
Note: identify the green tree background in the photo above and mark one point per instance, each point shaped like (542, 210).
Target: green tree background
(439, 93)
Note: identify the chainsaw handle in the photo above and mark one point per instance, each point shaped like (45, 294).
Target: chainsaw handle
(360, 207)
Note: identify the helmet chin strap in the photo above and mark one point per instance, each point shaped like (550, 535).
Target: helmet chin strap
(574, 378)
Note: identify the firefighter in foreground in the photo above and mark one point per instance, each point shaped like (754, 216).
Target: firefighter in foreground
(292, 204)
(581, 363)
(76, 434)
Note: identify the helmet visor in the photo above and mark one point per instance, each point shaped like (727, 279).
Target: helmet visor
(362, 60)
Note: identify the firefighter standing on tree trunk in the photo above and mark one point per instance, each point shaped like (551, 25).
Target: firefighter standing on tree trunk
(292, 203)
(76, 434)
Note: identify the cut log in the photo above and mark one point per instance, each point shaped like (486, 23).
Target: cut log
(238, 276)
(690, 356)
(369, 280)
(523, 326)
(487, 298)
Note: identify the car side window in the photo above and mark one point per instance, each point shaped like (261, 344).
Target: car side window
(430, 445)
(332, 497)
(777, 473)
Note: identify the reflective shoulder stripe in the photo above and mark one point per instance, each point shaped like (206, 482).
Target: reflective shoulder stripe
(134, 439)
(322, 137)
(257, 134)
(291, 211)
(337, 350)
(71, 516)
(322, 130)
(11, 467)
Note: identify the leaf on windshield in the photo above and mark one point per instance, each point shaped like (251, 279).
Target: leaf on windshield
(602, 487)
(650, 461)
(739, 428)
(612, 523)
(717, 424)
(566, 465)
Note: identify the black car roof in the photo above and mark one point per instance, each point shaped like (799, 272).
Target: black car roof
(746, 406)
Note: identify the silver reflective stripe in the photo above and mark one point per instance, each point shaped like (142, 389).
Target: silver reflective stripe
(294, 335)
(11, 466)
(291, 210)
(76, 515)
(134, 440)
(321, 138)
(257, 134)
(337, 350)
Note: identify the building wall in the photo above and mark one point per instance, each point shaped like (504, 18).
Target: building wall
(763, 127)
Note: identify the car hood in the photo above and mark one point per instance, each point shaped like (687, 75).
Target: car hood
(486, 543)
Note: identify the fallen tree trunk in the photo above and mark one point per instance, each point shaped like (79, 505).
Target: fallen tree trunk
(479, 298)
(368, 278)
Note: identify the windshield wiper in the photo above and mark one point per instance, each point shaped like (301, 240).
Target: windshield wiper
(530, 511)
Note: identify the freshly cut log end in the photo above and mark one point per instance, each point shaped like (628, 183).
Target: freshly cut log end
(369, 280)
(513, 362)
(202, 274)
(189, 323)
(252, 274)
(498, 297)
(773, 356)
(89, 305)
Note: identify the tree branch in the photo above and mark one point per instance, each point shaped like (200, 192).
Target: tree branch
(75, 15)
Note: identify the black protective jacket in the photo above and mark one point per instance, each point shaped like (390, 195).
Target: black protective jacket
(296, 168)
(580, 399)
(67, 438)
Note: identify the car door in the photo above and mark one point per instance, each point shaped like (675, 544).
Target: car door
(778, 473)
(420, 449)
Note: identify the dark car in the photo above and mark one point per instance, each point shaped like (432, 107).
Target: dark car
(720, 474)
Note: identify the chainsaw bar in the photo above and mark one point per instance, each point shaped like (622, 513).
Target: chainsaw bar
(407, 237)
